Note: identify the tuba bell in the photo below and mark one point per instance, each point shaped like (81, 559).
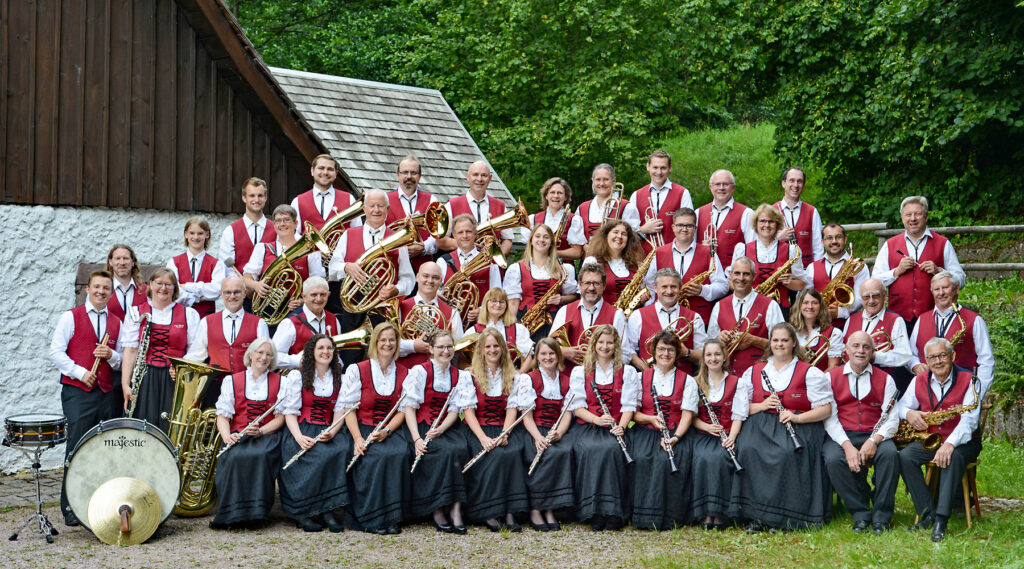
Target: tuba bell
(335, 228)
(434, 221)
(380, 271)
(357, 339)
(515, 217)
(284, 281)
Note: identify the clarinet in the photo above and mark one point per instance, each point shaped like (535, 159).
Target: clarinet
(254, 422)
(437, 421)
(604, 409)
(503, 434)
(139, 371)
(721, 434)
(665, 436)
(551, 433)
(883, 417)
(797, 447)
(369, 439)
(301, 452)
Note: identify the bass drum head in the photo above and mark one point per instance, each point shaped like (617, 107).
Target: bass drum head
(122, 447)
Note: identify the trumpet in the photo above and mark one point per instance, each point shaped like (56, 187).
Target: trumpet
(822, 350)
(655, 239)
(284, 281)
(380, 271)
(682, 333)
(434, 220)
(332, 231)
(743, 330)
(711, 237)
(699, 278)
(515, 217)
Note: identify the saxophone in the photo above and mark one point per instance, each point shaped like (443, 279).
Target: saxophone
(140, 363)
(636, 293)
(538, 315)
(837, 291)
(770, 286)
(698, 278)
(907, 434)
(958, 336)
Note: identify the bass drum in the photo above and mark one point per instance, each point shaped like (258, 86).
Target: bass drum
(122, 447)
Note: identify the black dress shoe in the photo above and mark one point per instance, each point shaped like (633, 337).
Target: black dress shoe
(376, 531)
(614, 523)
(310, 525)
(707, 525)
(878, 528)
(939, 531)
(393, 530)
(555, 526)
(722, 526)
(597, 523)
(860, 526)
(925, 523)
(514, 527)
(540, 527)
(332, 523)
(459, 530)
(755, 527)
(493, 526)
(71, 520)
(444, 528)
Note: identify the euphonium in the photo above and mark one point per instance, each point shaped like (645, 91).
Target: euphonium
(355, 339)
(434, 221)
(332, 231)
(284, 281)
(837, 291)
(193, 432)
(822, 350)
(907, 434)
(515, 217)
(770, 285)
(459, 292)
(464, 347)
(422, 321)
(636, 293)
(539, 314)
(682, 333)
(380, 271)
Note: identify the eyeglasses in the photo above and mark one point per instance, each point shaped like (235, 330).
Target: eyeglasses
(684, 225)
(408, 173)
(871, 296)
(833, 238)
(447, 348)
(284, 220)
(664, 350)
(937, 357)
(721, 184)
(231, 292)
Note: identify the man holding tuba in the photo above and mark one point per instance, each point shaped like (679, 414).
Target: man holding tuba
(407, 200)
(665, 312)
(285, 224)
(477, 203)
(823, 271)
(423, 314)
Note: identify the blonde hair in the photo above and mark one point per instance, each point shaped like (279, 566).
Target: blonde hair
(771, 212)
(203, 224)
(371, 350)
(507, 319)
(479, 365)
(590, 359)
(547, 187)
(162, 272)
(703, 373)
(552, 263)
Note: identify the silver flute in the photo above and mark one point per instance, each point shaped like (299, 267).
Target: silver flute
(380, 426)
(254, 422)
(503, 434)
(301, 452)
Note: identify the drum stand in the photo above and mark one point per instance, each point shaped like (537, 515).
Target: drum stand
(38, 522)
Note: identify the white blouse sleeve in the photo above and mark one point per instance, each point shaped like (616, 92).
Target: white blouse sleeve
(836, 345)
(690, 399)
(577, 389)
(630, 389)
(351, 387)
(291, 385)
(741, 401)
(226, 400)
(513, 284)
(414, 384)
(819, 388)
(526, 395)
(576, 236)
(465, 394)
(569, 286)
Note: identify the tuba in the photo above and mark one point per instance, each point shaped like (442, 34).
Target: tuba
(515, 217)
(380, 271)
(770, 286)
(335, 228)
(837, 291)
(464, 347)
(193, 432)
(284, 281)
(459, 292)
(356, 339)
(434, 221)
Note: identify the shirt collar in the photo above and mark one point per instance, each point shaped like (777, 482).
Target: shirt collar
(421, 300)
(945, 313)
(728, 205)
(596, 308)
(262, 221)
(691, 247)
(310, 316)
(318, 192)
(239, 314)
(848, 370)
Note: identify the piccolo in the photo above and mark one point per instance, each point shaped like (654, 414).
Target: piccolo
(551, 433)
(797, 447)
(721, 434)
(301, 452)
(369, 439)
(604, 409)
(254, 422)
(437, 421)
(503, 434)
(665, 436)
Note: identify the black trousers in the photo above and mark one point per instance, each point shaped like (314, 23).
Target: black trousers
(914, 456)
(864, 503)
(84, 410)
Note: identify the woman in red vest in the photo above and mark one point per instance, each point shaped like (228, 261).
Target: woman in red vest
(550, 485)
(438, 442)
(379, 480)
(247, 472)
(660, 496)
(496, 484)
(494, 313)
(528, 281)
(617, 248)
(555, 199)
(314, 486)
(783, 486)
(713, 474)
(198, 272)
(770, 254)
(813, 327)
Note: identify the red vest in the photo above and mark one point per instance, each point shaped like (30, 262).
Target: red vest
(548, 410)
(373, 406)
(821, 280)
(243, 241)
(206, 307)
(301, 266)
(611, 393)
(433, 399)
(533, 288)
(965, 355)
(591, 227)
(406, 305)
(723, 409)
(303, 333)
(955, 396)
(650, 325)
(481, 278)
(856, 323)
(166, 340)
(83, 342)
(354, 247)
(672, 202)
(804, 225)
(701, 262)
(460, 205)
(490, 411)
(910, 295)
(743, 359)
(765, 270)
(858, 415)
(614, 285)
(563, 240)
(247, 410)
(396, 211)
(817, 344)
(794, 398)
(114, 304)
(309, 210)
(671, 406)
(318, 410)
(574, 317)
(230, 356)
(729, 233)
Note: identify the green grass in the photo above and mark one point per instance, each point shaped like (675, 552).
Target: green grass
(1001, 470)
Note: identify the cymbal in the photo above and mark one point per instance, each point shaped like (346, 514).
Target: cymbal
(142, 507)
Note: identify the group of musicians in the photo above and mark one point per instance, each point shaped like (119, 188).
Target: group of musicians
(715, 365)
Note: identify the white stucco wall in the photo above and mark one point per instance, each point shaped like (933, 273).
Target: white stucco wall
(38, 264)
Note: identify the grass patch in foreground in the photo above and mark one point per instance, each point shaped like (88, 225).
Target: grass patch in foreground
(1001, 469)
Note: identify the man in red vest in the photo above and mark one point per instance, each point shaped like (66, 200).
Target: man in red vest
(407, 200)
(240, 237)
(292, 333)
(744, 302)
(821, 272)
(803, 222)
(323, 201)
(129, 289)
(464, 232)
(589, 311)
(265, 254)
(651, 319)
(85, 360)
(907, 262)
(875, 319)
(946, 320)
(658, 200)
(943, 386)
(414, 350)
(861, 429)
(477, 203)
(730, 218)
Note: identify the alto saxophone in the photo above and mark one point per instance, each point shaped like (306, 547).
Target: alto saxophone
(538, 315)
(636, 293)
(907, 434)
(139, 371)
(698, 278)
(770, 286)
(958, 336)
(837, 291)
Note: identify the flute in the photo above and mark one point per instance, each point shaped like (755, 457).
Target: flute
(797, 447)
(604, 409)
(721, 434)
(383, 423)
(302, 451)
(254, 422)
(437, 421)
(551, 433)
(664, 430)
(503, 434)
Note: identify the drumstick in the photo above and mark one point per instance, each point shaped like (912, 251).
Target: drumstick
(96, 364)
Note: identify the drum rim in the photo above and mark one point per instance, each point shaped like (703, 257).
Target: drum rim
(52, 418)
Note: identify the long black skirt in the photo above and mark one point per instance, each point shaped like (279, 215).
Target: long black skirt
(316, 483)
(155, 396)
(550, 485)
(601, 479)
(779, 487)
(245, 479)
(712, 476)
(660, 498)
(379, 481)
(496, 484)
(438, 481)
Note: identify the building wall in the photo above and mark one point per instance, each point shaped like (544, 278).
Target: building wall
(40, 260)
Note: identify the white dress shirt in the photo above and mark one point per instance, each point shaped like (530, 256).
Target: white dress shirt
(630, 386)
(284, 337)
(352, 386)
(681, 260)
(291, 404)
(254, 230)
(467, 399)
(125, 294)
(772, 316)
(589, 316)
(493, 275)
(715, 394)
(982, 346)
(658, 197)
(65, 329)
(194, 292)
(883, 272)
(481, 212)
(900, 354)
(416, 382)
(255, 268)
(819, 389)
(328, 205)
(860, 387)
(513, 284)
(200, 349)
(769, 254)
(664, 382)
(405, 276)
(629, 213)
(964, 430)
(408, 346)
(408, 204)
(634, 328)
(718, 215)
(256, 389)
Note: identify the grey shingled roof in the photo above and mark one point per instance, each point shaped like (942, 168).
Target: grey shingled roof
(368, 127)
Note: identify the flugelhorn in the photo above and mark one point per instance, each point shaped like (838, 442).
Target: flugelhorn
(743, 328)
(656, 239)
(434, 220)
(284, 281)
(822, 350)
(332, 231)
(380, 271)
(683, 333)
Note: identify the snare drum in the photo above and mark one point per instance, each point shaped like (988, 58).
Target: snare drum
(122, 447)
(34, 430)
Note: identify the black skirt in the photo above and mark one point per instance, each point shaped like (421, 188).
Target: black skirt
(316, 482)
(601, 477)
(438, 481)
(245, 479)
(155, 396)
(550, 485)
(379, 481)
(496, 484)
(779, 487)
(712, 476)
(659, 496)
